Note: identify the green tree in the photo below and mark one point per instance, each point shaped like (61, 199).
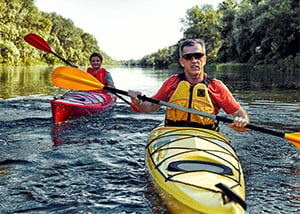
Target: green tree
(227, 51)
(242, 32)
(20, 17)
(203, 23)
(281, 36)
(266, 31)
(17, 19)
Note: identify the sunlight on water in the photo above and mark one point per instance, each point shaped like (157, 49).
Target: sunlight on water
(96, 164)
(137, 79)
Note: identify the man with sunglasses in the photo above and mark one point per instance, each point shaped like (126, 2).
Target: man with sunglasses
(194, 89)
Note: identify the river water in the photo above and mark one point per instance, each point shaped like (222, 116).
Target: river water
(96, 164)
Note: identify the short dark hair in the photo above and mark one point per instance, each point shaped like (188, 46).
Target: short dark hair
(191, 42)
(96, 54)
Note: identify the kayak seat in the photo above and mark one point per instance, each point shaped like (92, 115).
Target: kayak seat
(195, 166)
(99, 98)
(73, 97)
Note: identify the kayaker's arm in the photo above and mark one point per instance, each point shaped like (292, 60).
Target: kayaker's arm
(144, 106)
(241, 119)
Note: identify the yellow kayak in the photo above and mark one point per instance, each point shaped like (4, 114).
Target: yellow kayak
(195, 171)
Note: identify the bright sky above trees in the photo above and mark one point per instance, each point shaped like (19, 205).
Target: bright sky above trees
(127, 29)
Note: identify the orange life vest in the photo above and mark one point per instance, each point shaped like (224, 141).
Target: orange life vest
(100, 74)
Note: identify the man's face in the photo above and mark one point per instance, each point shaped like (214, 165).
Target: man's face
(193, 60)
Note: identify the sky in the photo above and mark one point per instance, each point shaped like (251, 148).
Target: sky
(127, 29)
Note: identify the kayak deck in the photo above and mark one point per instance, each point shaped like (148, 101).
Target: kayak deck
(75, 104)
(195, 170)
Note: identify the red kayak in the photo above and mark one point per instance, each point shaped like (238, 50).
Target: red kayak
(75, 104)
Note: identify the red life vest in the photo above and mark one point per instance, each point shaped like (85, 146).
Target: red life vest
(100, 74)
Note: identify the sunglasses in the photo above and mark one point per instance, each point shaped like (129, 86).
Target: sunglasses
(191, 55)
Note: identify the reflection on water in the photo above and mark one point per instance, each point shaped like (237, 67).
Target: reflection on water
(24, 81)
(4, 171)
(247, 78)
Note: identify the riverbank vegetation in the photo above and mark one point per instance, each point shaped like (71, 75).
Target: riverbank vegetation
(252, 32)
(256, 32)
(20, 17)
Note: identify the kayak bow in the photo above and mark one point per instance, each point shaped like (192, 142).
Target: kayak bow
(195, 171)
(75, 104)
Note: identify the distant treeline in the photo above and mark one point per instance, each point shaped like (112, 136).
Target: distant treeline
(20, 17)
(256, 32)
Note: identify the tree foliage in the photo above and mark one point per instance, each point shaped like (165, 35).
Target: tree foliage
(246, 31)
(202, 23)
(162, 58)
(20, 17)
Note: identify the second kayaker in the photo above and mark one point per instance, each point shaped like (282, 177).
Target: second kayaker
(101, 74)
(194, 89)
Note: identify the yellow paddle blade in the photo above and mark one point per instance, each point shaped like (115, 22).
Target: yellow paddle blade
(75, 79)
(294, 138)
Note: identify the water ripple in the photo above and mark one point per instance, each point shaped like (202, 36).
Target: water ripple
(96, 164)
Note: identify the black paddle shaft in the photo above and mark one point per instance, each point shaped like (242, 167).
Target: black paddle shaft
(64, 60)
(141, 97)
(218, 118)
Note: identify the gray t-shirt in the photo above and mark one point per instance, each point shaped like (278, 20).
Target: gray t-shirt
(108, 78)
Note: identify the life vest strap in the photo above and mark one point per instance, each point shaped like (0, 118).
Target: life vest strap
(190, 124)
